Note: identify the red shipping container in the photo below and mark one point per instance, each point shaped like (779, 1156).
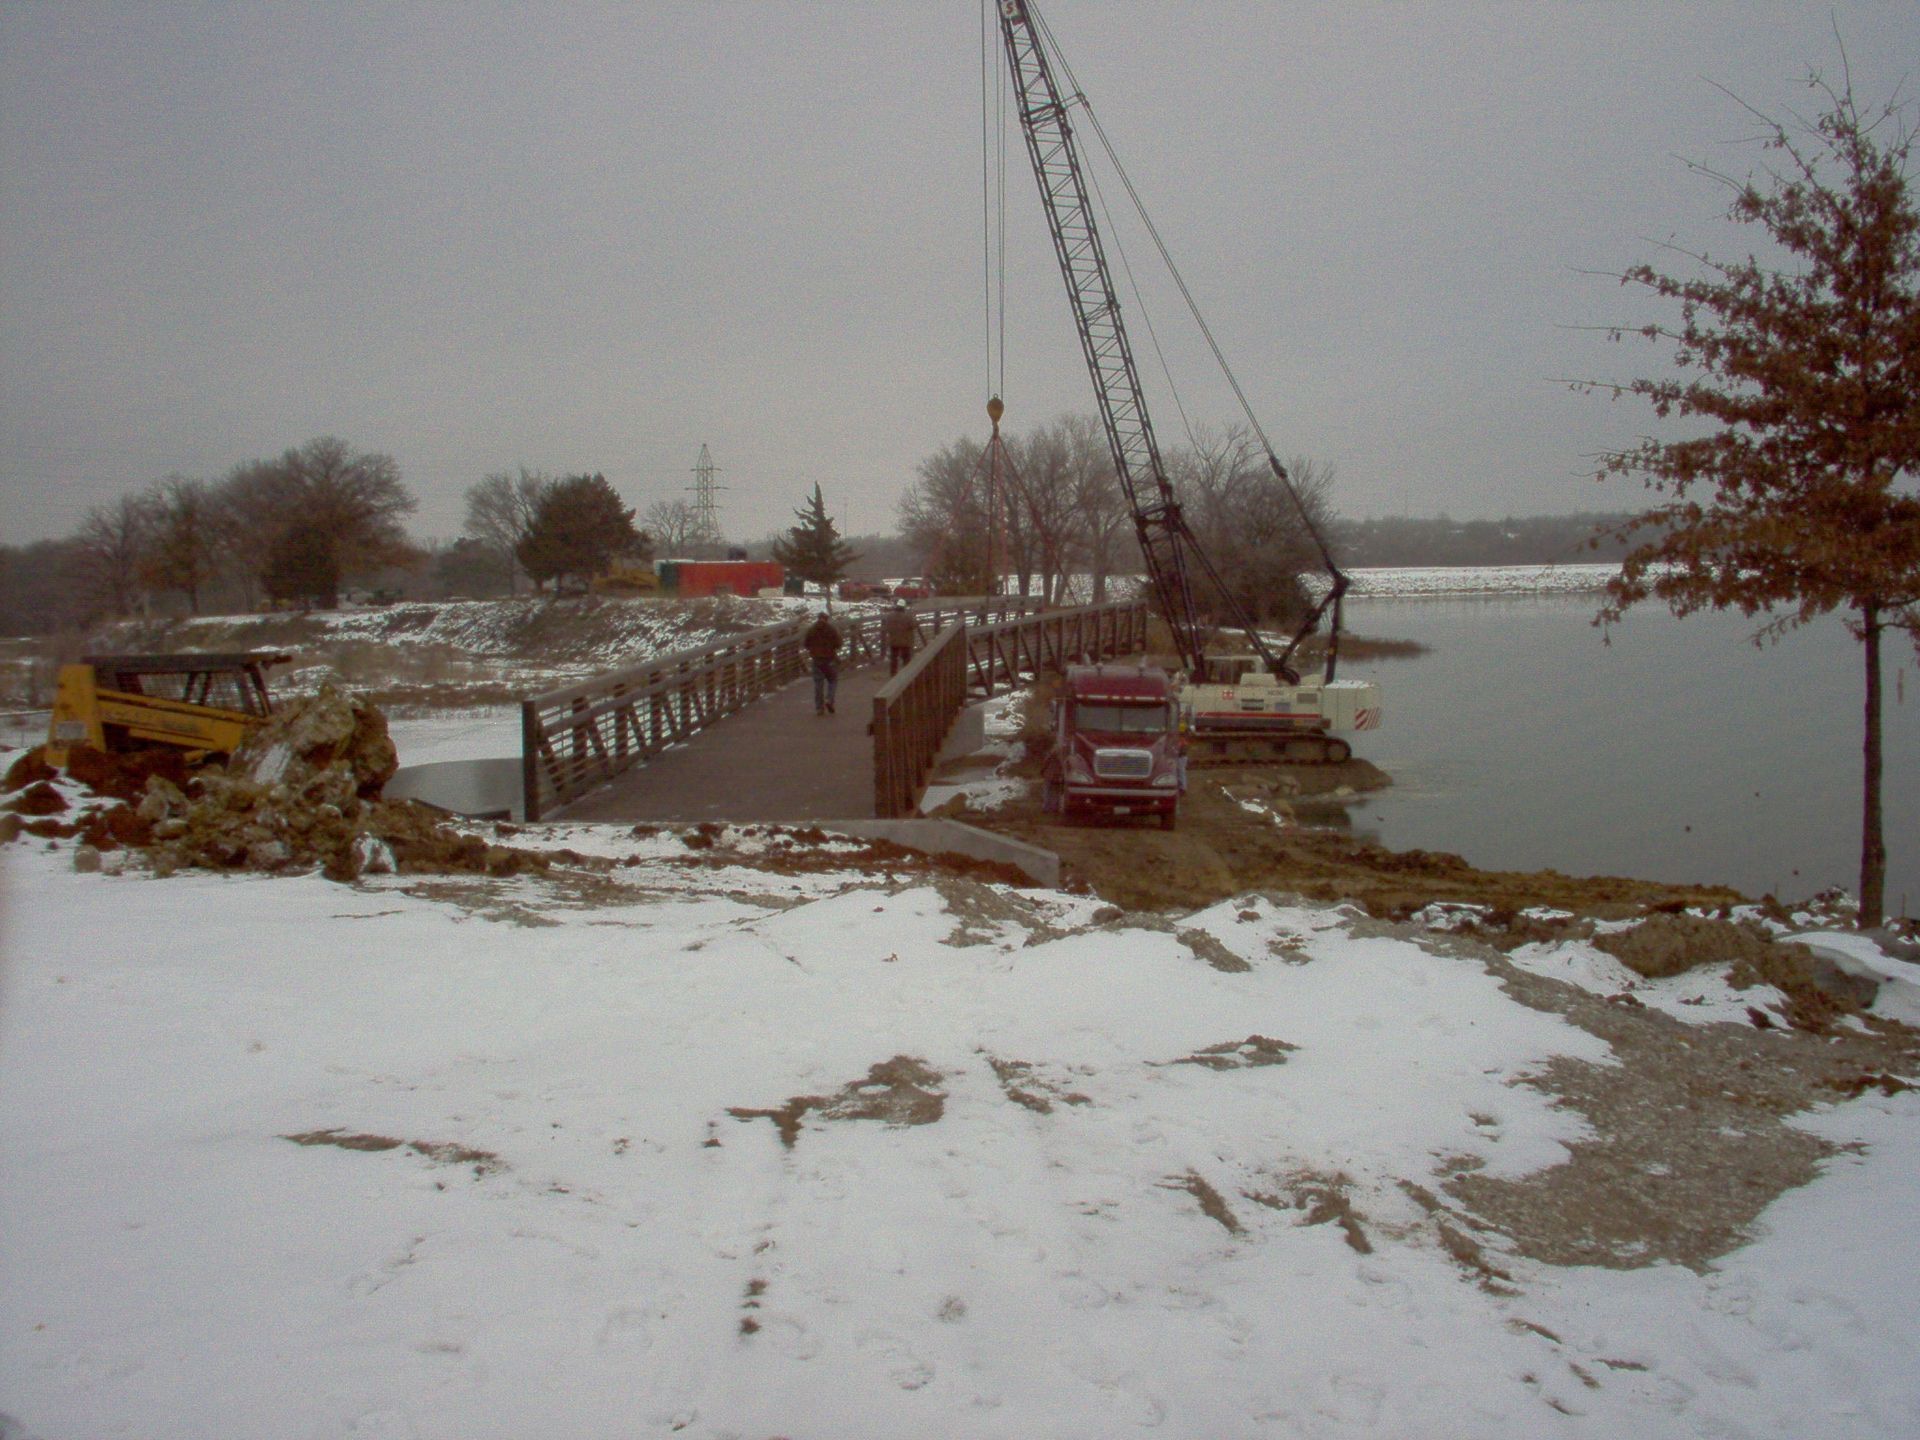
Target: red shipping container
(694, 578)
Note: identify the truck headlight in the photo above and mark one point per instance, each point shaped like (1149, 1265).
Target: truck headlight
(1166, 780)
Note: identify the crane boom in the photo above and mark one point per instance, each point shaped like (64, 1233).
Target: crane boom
(1166, 542)
(1237, 708)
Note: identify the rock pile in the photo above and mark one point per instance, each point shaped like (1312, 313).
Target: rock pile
(303, 792)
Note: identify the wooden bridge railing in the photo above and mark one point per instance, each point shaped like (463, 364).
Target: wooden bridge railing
(579, 737)
(916, 708)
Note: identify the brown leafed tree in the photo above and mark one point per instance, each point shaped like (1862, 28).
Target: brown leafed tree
(1793, 496)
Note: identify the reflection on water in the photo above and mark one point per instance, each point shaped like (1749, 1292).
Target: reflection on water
(1678, 752)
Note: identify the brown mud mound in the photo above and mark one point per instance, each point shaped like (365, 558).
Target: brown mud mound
(29, 768)
(1817, 992)
(1238, 832)
(39, 798)
(1663, 945)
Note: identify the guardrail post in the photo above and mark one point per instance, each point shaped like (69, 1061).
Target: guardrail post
(529, 761)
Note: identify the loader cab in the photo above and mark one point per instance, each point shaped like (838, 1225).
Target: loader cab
(200, 703)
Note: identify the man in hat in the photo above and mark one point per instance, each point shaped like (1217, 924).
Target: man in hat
(897, 631)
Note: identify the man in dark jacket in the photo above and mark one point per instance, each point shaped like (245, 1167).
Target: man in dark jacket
(897, 631)
(822, 642)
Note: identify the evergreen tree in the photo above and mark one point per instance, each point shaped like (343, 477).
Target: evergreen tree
(578, 526)
(1794, 495)
(813, 549)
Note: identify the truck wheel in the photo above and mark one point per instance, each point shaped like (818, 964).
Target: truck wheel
(1168, 819)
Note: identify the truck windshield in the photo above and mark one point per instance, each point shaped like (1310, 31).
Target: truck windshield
(1122, 719)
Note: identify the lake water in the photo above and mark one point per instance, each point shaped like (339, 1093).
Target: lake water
(1679, 752)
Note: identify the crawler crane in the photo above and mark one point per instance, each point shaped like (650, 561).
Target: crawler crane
(1245, 707)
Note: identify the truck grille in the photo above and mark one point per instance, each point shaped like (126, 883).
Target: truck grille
(1123, 764)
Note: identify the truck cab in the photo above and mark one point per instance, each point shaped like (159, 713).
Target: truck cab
(1116, 744)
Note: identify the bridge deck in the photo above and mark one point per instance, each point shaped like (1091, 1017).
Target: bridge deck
(773, 760)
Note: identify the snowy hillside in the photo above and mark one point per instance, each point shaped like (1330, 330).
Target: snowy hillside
(748, 1135)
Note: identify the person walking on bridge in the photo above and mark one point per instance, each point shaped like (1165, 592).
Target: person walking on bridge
(898, 630)
(822, 642)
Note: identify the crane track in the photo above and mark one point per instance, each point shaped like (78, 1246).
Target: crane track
(1267, 750)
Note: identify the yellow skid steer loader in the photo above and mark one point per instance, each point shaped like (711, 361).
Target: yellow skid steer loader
(202, 704)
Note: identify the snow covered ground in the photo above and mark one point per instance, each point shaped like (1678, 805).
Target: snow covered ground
(743, 1150)
(1429, 582)
(490, 732)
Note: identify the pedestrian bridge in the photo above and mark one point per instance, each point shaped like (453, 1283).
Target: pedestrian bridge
(728, 732)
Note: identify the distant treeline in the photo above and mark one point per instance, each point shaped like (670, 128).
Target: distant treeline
(56, 585)
(1442, 540)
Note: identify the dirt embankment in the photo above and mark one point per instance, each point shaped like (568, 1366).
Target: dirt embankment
(1239, 830)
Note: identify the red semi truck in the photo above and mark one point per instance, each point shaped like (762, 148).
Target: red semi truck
(1116, 744)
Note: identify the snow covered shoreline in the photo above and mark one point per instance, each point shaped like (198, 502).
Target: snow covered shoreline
(465, 1157)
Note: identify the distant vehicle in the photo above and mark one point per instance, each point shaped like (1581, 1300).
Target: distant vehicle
(627, 577)
(864, 590)
(913, 590)
(202, 704)
(1116, 744)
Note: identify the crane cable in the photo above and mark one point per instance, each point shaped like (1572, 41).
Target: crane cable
(993, 201)
(1193, 307)
(1085, 105)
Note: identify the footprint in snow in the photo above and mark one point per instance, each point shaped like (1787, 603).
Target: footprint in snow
(626, 1331)
(903, 1367)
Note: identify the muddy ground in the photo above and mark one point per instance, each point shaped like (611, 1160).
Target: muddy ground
(1281, 828)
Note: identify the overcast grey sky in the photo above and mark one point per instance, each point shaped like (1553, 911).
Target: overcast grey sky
(596, 236)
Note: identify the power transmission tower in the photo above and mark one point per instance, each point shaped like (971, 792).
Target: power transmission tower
(706, 524)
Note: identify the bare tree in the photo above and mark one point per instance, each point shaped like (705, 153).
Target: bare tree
(184, 551)
(500, 511)
(358, 499)
(1248, 523)
(115, 542)
(674, 525)
(347, 504)
(250, 506)
(943, 516)
(1105, 524)
(1046, 492)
